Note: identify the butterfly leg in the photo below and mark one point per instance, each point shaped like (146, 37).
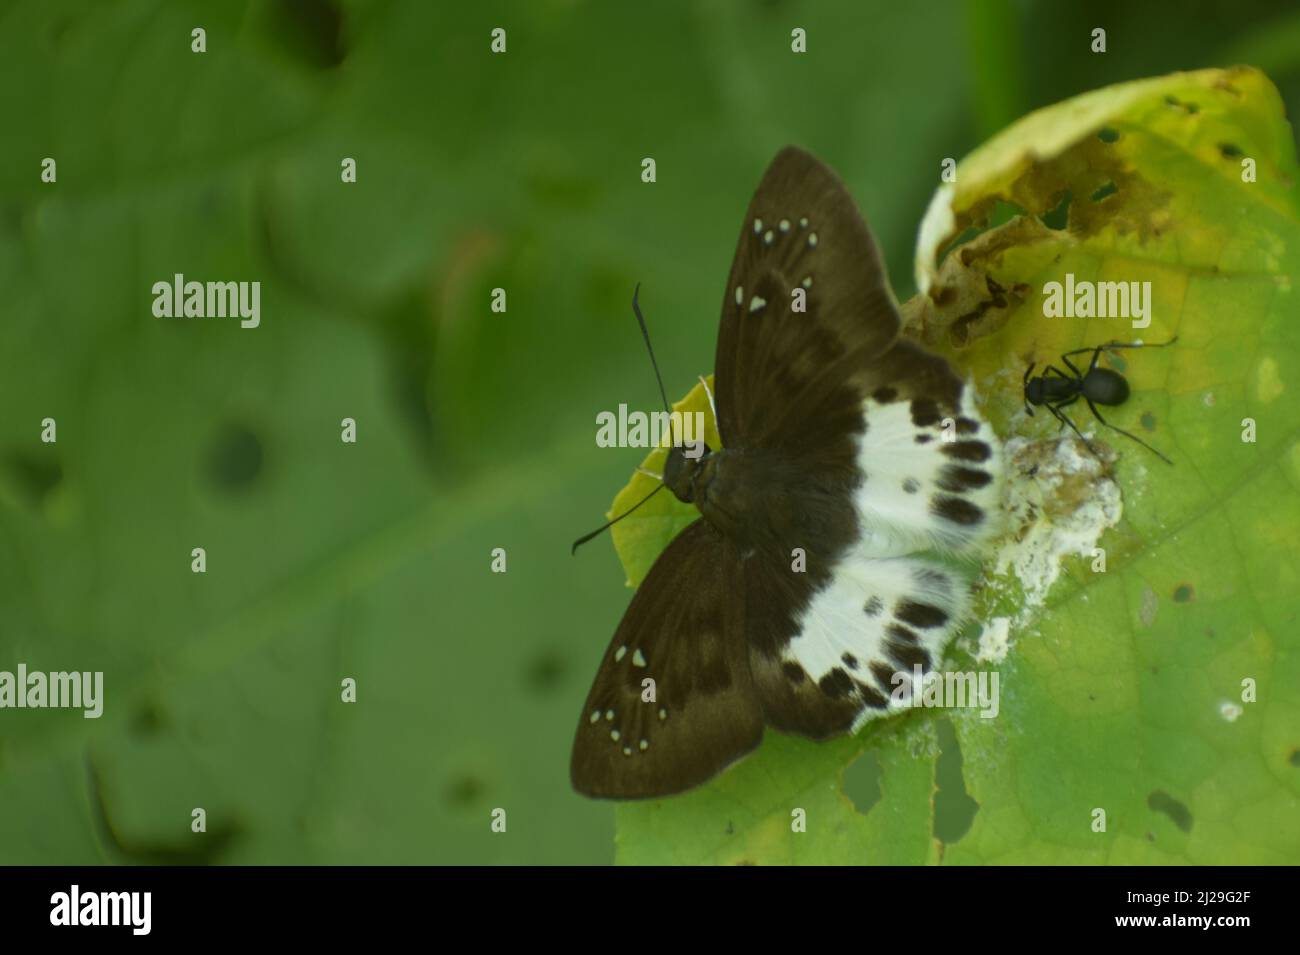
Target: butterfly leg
(1097, 413)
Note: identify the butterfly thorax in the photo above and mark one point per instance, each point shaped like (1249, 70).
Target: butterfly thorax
(763, 500)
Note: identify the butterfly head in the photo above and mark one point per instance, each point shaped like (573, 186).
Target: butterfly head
(683, 468)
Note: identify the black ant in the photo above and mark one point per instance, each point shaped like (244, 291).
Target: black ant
(1096, 386)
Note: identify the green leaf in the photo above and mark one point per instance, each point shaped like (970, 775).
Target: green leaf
(1122, 688)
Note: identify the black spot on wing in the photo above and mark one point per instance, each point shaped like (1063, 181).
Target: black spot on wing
(925, 412)
(912, 485)
(967, 450)
(871, 698)
(850, 661)
(900, 633)
(873, 607)
(958, 479)
(884, 395)
(793, 672)
(957, 510)
(836, 684)
(967, 426)
(907, 655)
(920, 614)
(884, 674)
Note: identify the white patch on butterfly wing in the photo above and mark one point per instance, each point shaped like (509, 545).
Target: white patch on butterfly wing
(921, 491)
(869, 610)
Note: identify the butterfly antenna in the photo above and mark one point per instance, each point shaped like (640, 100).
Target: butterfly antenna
(608, 524)
(654, 364)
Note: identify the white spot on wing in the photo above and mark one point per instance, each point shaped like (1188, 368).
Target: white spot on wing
(756, 303)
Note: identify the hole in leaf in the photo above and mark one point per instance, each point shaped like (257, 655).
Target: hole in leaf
(1229, 151)
(1002, 213)
(1106, 189)
(862, 782)
(1107, 135)
(235, 458)
(1178, 813)
(954, 809)
(1183, 593)
(1148, 420)
(1059, 217)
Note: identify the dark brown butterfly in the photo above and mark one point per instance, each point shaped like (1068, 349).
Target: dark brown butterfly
(791, 602)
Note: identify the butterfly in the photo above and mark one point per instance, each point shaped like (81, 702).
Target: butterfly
(841, 440)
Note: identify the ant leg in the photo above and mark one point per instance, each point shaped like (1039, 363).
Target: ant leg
(1059, 373)
(1064, 403)
(1096, 353)
(1142, 344)
(1126, 434)
(1065, 419)
(1109, 345)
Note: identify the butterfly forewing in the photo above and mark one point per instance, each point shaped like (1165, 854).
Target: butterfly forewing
(803, 236)
(684, 630)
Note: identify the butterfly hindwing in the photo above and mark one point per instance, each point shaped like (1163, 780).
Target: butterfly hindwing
(684, 631)
(855, 643)
(877, 451)
(827, 642)
(931, 469)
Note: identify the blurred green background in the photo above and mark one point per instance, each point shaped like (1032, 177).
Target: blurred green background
(475, 429)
